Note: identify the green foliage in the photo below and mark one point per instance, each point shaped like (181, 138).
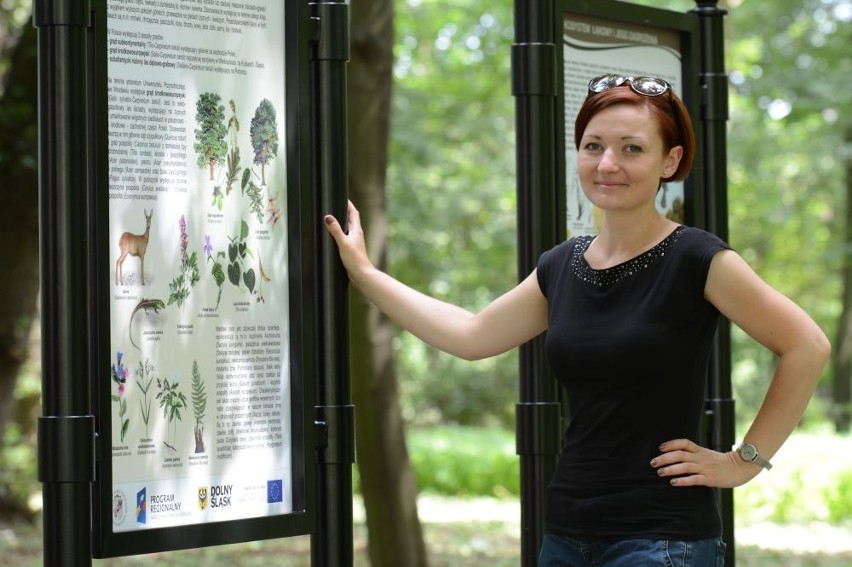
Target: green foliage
(199, 405)
(451, 200)
(143, 381)
(838, 498)
(451, 195)
(255, 195)
(234, 154)
(180, 287)
(264, 135)
(18, 471)
(172, 401)
(210, 143)
(787, 164)
(233, 169)
(238, 270)
(119, 373)
(199, 396)
(216, 269)
(809, 482)
(189, 274)
(465, 461)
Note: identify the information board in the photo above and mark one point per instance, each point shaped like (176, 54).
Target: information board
(205, 403)
(608, 37)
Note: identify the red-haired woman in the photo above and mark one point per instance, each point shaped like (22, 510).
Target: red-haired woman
(630, 315)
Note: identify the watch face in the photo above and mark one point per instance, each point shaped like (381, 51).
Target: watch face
(748, 452)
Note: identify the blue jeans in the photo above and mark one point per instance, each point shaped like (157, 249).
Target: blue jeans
(558, 551)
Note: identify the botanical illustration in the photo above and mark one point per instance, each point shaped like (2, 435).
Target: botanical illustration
(210, 145)
(264, 136)
(238, 266)
(199, 406)
(239, 269)
(263, 279)
(143, 381)
(273, 209)
(216, 270)
(172, 401)
(189, 275)
(254, 193)
(119, 376)
(217, 141)
(133, 245)
(233, 161)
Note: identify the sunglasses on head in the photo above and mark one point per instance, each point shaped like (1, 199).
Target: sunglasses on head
(646, 86)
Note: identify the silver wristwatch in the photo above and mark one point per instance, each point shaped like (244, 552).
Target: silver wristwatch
(748, 453)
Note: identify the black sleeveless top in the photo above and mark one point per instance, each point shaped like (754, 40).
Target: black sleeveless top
(630, 344)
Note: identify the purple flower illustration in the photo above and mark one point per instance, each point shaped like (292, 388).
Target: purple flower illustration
(119, 371)
(119, 376)
(208, 246)
(184, 240)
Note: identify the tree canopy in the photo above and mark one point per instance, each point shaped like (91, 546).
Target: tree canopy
(210, 142)
(452, 191)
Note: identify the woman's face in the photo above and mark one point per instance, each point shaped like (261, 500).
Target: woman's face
(621, 158)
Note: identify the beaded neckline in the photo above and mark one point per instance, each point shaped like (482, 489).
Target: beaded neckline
(610, 276)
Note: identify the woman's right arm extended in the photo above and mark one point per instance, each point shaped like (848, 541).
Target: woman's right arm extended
(507, 322)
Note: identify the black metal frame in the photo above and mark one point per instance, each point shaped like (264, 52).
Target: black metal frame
(332, 542)
(301, 521)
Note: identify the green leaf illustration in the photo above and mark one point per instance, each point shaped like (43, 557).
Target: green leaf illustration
(249, 278)
(234, 274)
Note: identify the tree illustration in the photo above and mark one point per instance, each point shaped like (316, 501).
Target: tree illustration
(210, 142)
(171, 401)
(264, 136)
(199, 405)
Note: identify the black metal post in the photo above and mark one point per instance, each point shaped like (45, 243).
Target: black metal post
(534, 85)
(714, 117)
(332, 541)
(66, 430)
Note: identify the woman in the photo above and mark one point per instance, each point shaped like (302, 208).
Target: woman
(630, 316)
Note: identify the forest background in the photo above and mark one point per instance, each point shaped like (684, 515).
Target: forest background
(443, 206)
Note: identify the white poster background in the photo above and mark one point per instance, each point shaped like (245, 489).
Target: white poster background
(592, 47)
(217, 442)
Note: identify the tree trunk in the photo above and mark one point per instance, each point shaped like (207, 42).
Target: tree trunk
(842, 379)
(18, 216)
(387, 478)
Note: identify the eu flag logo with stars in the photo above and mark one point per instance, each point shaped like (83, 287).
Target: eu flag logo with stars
(274, 491)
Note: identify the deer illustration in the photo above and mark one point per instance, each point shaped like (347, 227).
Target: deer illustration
(135, 245)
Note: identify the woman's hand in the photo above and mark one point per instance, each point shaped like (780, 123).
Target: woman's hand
(351, 245)
(689, 464)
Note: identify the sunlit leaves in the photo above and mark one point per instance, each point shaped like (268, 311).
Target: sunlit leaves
(451, 185)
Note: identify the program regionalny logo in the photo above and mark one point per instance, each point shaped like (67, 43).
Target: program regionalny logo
(142, 506)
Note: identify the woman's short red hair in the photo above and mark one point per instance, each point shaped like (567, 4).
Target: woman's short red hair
(669, 111)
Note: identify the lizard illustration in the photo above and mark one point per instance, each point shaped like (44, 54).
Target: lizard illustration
(146, 305)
